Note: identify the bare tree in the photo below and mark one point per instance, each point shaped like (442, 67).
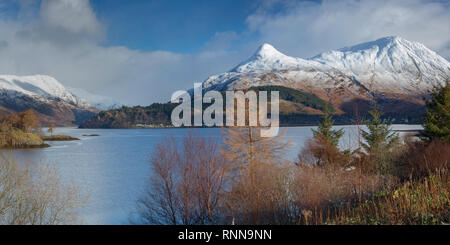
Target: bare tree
(35, 195)
(51, 128)
(187, 183)
(259, 176)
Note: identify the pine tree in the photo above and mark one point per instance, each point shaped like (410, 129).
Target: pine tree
(379, 140)
(437, 121)
(324, 131)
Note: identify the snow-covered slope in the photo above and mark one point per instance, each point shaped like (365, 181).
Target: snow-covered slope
(390, 62)
(49, 98)
(37, 86)
(387, 65)
(267, 58)
(98, 101)
(44, 88)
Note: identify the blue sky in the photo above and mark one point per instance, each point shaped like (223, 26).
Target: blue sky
(178, 26)
(141, 51)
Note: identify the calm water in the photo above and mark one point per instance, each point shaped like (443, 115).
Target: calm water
(113, 167)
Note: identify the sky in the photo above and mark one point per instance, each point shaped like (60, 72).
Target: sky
(141, 51)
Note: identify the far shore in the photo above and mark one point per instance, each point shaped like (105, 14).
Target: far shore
(281, 126)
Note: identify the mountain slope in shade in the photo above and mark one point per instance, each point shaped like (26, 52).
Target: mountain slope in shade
(393, 69)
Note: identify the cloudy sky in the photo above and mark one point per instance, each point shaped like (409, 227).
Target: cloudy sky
(140, 51)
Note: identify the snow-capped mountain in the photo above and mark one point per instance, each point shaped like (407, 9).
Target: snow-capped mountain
(390, 65)
(38, 86)
(49, 98)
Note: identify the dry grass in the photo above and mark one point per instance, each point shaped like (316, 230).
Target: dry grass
(420, 159)
(316, 188)
(424, 202)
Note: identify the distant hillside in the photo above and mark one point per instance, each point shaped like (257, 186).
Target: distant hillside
(156, 114)
(296, 108)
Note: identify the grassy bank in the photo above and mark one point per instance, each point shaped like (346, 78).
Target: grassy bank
(18, 139)
(420, 202)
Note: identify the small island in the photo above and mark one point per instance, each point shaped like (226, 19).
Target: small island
(59, 137)
(91, 135)
(22, 130)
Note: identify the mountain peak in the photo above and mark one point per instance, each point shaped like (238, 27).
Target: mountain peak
(389, 64)
(265, 58)
(267, 50)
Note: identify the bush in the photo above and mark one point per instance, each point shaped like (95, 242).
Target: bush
(421, 158)
(320, 152)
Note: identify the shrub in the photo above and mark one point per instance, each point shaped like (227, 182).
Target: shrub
(421, 158)
(320, 152)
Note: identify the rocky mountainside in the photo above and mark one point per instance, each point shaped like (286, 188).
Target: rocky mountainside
(395, 71)
(44, 94)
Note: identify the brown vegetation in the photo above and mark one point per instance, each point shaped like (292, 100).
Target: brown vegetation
(187, 186)
(21, 130)
(248, 182)
(35, 195)
(383, 181)
(421, 159)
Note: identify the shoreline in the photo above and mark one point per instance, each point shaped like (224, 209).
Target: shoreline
(281, 126)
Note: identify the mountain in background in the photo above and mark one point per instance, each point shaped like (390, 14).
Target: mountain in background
(49, 98)
(392, 71)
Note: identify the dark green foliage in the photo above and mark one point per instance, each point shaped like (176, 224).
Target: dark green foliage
(324, 130)
(297, 96)
(129, 117)
(379, 140)
(437, 121)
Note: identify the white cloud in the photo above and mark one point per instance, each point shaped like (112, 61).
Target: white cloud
(307, 28)
(63, 41)
(73, 16)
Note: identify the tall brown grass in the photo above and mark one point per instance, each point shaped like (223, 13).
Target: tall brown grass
(420, 159)
(424, 202)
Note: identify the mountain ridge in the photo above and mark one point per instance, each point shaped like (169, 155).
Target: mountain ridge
(389, 63)
(49, 98)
